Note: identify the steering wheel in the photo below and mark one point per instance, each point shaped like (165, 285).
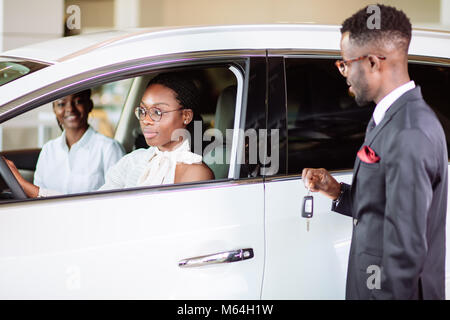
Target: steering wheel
(11, 181)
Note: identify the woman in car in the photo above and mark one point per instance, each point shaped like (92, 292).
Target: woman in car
(76, 161)
(167, 108)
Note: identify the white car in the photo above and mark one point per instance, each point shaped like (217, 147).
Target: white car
(240, 236)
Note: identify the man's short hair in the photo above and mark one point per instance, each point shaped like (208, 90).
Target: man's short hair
(394, 27)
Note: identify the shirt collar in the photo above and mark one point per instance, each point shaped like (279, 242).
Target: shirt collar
(388, 100)
(80, 143)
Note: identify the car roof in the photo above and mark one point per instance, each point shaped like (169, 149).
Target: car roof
(106, 52)
(267, 36)
(56, 50)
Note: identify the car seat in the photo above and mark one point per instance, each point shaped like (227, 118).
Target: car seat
(218, 159)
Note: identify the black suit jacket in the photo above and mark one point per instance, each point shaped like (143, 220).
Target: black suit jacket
(399, 207)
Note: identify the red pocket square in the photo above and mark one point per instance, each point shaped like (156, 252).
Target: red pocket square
(367, 155)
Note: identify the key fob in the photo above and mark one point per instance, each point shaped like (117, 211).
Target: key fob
(308, 206)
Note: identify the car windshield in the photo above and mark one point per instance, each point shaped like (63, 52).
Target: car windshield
(12, 69)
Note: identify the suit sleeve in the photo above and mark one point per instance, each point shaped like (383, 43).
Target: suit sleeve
(344, 205)
(410, 167)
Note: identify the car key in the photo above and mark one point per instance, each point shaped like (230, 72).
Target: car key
(307, 210)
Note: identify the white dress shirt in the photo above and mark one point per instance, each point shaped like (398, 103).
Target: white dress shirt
(388, 101)
(81, 168)
(148, 167)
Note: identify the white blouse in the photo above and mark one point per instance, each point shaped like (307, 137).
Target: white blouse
(148, 167)
(82, 168)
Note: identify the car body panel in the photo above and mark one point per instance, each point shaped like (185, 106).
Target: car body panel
(318, 256)
(82, 248)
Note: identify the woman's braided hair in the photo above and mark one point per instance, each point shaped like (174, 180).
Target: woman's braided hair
(185, 90)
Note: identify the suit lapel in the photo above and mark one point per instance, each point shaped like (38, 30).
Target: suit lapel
(396, 106)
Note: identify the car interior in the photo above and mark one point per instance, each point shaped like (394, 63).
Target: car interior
(218, 86)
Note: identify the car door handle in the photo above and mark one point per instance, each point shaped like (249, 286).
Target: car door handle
(221, 257)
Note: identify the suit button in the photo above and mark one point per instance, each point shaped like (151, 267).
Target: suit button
(355, 222)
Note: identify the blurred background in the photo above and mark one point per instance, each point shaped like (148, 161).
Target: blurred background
(24, 22)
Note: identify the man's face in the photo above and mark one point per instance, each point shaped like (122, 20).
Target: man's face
(357, 73)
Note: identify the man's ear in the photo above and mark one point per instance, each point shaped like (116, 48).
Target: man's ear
(375, 64)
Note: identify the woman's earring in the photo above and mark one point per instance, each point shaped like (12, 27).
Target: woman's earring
(185, 121)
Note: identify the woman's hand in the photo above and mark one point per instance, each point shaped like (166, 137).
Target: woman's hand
(14, 170)
(30, 189)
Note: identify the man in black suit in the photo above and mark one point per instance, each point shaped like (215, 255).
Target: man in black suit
(398, 197)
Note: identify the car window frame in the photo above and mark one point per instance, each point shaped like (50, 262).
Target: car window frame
(239, 59)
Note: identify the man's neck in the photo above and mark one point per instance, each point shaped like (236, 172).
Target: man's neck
(391, 86)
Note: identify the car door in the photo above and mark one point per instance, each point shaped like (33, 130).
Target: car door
(189, 241)
(320, 127)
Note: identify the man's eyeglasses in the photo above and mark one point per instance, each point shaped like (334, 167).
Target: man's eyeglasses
(343, 64)
(154, 113)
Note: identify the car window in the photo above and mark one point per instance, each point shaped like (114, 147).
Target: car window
(12, 69)
(23, 136)
(108, 102)
(209, 137)
(434, 81)
(35, 128)
(325, 125)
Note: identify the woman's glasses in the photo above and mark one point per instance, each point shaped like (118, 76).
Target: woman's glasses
(342, 65)
(154, 113)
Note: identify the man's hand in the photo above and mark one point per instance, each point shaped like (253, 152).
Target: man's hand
(319, 180)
